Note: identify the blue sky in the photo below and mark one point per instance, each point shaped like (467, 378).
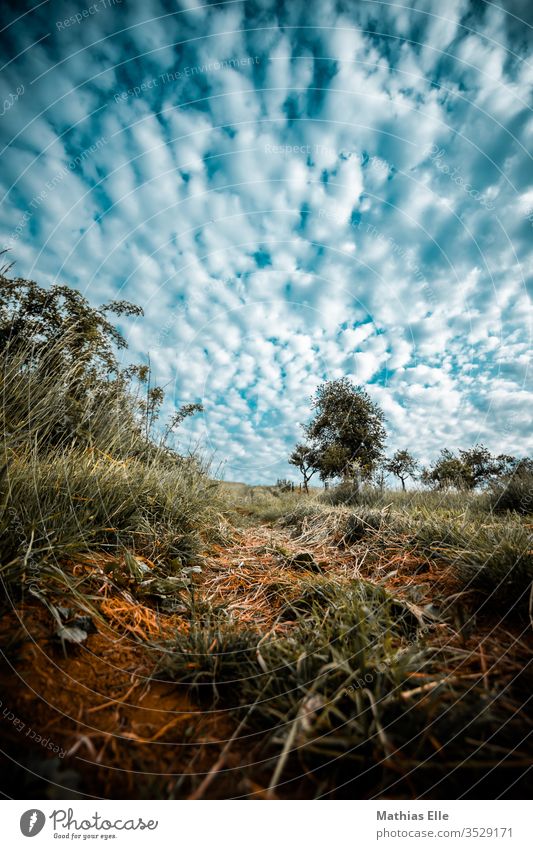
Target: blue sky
(294, 192)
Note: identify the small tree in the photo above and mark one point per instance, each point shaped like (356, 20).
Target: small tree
(480, 466)
(305, 458)
(469, 469)
(55, 336)
(402, 465)
(347, 429)
(447, 471)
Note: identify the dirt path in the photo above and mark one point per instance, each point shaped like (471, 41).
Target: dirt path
(97, 704)
(115, 726)
(266, 566)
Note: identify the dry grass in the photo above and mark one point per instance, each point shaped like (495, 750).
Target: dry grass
(273, 674)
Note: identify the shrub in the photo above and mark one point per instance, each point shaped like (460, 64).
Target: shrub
(345, 493)
(81, 465)
(515, 493)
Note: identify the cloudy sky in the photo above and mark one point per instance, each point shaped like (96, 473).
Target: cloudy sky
(294, 192)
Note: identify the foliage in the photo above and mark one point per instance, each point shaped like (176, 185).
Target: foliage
(486, 553)
(56, 349)
(306, 459)
(83, 338)
(247, 505)
(402, 465)
(471, 468)
(346, 435)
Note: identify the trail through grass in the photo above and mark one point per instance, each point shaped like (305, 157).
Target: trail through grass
(314, 651)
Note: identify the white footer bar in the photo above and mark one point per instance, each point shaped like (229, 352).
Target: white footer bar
(268, 825)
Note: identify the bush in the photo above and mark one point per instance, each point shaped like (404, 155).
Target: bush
(80, 463)
(347, 493)
(515, 493)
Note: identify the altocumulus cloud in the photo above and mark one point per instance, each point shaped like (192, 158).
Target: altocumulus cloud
(293, 191)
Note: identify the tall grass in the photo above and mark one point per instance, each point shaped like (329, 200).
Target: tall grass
(515, 493)
(78, 470)
(76, 500)
(490, 553)
(494, 556)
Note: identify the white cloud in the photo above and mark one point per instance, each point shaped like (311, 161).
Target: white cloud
(282, 221)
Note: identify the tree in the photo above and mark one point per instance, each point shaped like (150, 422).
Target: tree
(402, 465)
(54, 336)
(34, 320)
(347, 429)
(305, 458)
(480, 466)
(471, 468)
(447, 471)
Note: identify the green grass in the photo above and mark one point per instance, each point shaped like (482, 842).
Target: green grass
(343, 632)
(249, 504)
(336, 696)
(493, 556)
(77, 501)
(488, 552)
(84, 475)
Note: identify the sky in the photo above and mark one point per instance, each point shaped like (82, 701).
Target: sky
(293, 192)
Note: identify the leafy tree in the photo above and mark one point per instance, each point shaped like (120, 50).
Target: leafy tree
(469, 469)
(57, 336)
(305, 458)
(347, 429)
(480, 466)
(402, 465)
(35, 320)
(447, 471)
(331, 458)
